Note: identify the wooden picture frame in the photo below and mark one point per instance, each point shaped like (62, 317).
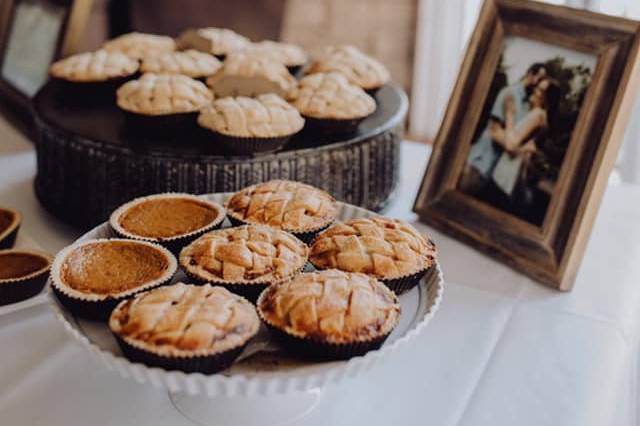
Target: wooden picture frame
(66, 19)
(551, 250)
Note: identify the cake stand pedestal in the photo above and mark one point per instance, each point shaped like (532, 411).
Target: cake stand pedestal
(277, 410)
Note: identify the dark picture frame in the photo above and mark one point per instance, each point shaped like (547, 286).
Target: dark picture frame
(72, 14)
(550, 252)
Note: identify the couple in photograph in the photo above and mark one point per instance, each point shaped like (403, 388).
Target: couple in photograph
(497, 164)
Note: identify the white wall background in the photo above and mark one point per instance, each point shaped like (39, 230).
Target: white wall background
(443, 30)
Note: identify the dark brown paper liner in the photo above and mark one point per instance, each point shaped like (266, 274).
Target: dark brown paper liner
(403, 284)
(92, 91)
(331, 127)
(163, 126)
(96, 310)
(9, 240)
(18, 290)
(305, 237)
(318, 350)
(251, 145)
(209, 364)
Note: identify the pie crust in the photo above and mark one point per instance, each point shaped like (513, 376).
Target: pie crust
(191, 63)
(217, 41)
(139, 45)
(163, 94)
(185, 320)
(288, 54)
(265, 116)
(20, 264)
(163, 217)
(359, 68)
(244, 255)
(97, 66)
(382, 247)
(332, 306)
(330, 96)
(291, 206)
(246, 75)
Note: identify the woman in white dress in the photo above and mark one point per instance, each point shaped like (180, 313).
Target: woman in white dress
(518, 140)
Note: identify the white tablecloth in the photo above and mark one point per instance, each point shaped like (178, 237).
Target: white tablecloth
(502, 350)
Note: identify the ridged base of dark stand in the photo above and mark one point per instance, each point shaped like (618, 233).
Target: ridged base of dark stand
(88, 164)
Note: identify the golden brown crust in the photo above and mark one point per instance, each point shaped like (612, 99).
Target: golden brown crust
(183, 319)
(291, 206)
(189, 62)
(288, 54)
(112, 267)
(382, 247)
(217, 41)
(160, 94)
(139, 45)
(245, 75)
(94, 67)
(166, 216)
(360, 69)
(332, 306)
(245, 254)
(330, 96)
(266, 116)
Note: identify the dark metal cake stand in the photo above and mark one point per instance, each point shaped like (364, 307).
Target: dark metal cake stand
(90, 161)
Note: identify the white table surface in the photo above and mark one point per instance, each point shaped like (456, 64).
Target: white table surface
(502, 350)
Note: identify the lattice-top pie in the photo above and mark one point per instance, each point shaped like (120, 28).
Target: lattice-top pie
(330, 96)
(217, 41)
(360, 69)
(246, 254)
(139, 45)
(333, 306)
(266, 116)
(94, 67)
(287, 54)
(191, 63)
(185, 320)
(160, 94)
(292, 206)
(246, 75)
(382, 247)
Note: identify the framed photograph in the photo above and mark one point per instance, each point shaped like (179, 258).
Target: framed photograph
(32, 34)
(531, 133)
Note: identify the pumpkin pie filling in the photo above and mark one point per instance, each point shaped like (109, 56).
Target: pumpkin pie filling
(17, 265)
(6, 219)
(167, 217)
(112, 267)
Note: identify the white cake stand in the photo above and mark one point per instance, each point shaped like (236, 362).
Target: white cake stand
(264, 386)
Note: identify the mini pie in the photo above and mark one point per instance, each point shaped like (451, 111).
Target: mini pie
(184, 327)
(245, 75)
(217, 41)
(388, 249)
(171, 219)
(23, 274)
(91, 277)
(163, 94)
(290, 55)
(360, 69)
(331, 96)
(190, 63)
(98, 66)
(291, 206)
(266, 116)
(245, 259)
(139, 45)
(330, 314)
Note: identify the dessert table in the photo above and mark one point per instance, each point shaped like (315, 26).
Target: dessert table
(501, 350)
